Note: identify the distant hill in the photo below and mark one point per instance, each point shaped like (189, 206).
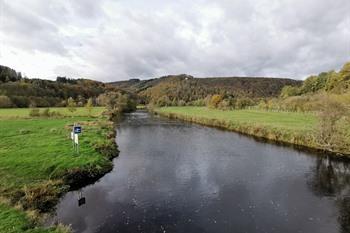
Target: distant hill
(16, 91)
(187, 88)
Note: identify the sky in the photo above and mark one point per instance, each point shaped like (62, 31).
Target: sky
(110, 40)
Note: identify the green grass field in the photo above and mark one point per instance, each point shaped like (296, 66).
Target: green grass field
(288, 127)
(36, 152)
(24, 112)
(16, 221)
(281, 120)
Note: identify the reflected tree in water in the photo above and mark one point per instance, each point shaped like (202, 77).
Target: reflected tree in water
(331, 178)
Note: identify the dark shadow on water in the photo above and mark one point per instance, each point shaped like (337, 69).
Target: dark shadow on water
(331, 178)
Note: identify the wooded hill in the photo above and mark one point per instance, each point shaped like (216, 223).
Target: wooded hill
(16, 91)
(187, 89)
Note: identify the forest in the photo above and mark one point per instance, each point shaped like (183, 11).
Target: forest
(21, 92)
(180, 90)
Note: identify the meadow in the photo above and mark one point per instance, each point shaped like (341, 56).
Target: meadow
(6, 113)
(38, 163)
(288, 127)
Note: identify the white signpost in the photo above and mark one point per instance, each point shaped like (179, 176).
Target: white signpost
(74, 135)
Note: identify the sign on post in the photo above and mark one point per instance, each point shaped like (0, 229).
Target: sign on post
(77, 129)
(75, 137)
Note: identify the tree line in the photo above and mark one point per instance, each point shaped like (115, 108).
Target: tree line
(22, 92)
(328, 96)
(181, 90)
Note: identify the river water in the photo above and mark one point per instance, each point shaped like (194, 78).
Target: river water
(173, 176)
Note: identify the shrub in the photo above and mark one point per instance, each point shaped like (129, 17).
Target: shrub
(89, 106)
(214, 101)
(331, 133)
(71, 104)
(5, 102)
(46, 112)
(34, 112)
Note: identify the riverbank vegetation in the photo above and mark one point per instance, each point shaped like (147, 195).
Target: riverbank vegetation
(315, 114)
(288, 127)
(38, 164)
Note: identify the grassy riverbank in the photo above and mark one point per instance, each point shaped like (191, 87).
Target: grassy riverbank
(288, 127)
(37, 162)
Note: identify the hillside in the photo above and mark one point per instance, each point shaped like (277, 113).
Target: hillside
(16, 91)
(187, 88)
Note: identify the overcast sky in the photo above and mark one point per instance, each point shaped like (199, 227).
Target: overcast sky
(112, 40)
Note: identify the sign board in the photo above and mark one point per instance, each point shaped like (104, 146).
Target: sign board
(77, 129)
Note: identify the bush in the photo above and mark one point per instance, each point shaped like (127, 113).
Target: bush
(71, 104)
(5, 102)
(214, 101)
(34, 112)
(46, 112)
(332, 133)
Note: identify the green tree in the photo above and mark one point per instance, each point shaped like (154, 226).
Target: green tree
(345, 72)
(333, 80)
(5, 102)
(71, 105)
(288, 91)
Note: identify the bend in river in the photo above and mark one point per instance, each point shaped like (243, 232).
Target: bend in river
(173, 176)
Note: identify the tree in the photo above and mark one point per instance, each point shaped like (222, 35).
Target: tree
(89, 106)
(80, 101)
(333, 80)
(345, 72)
(5, 102)
(332, 135)
(214, 101)
(71, 104)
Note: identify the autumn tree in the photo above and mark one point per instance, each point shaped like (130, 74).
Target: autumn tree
(89, 106)
(215, 101)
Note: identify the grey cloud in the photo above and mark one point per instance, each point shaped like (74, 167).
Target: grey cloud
(29, 31)
(114, 40)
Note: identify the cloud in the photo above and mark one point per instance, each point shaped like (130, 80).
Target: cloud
(114, 40)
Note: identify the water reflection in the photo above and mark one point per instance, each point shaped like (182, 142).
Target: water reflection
(178, 177)
(331, 178)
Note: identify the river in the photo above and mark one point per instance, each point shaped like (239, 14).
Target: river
(173, 176)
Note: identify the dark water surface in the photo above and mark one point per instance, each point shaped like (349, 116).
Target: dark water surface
(172, 176)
